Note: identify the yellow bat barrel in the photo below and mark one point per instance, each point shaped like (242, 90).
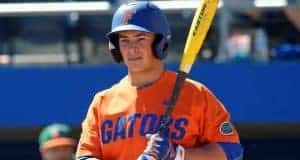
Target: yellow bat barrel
(199, 28)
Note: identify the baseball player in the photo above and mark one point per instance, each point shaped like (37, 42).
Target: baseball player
(56, 142)
(122, 121)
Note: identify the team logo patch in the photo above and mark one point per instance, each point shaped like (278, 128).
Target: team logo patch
(128, 15)
(226, 128)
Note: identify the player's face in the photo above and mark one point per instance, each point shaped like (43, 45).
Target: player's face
(136, 50)
(58, 153)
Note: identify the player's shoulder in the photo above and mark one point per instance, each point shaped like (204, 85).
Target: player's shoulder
(111, 90)
(197, 85)
(190, 85)
(102, 93)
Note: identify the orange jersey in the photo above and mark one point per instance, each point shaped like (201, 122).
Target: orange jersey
(119, 118)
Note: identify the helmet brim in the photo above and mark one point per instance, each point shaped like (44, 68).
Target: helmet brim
(128, 27)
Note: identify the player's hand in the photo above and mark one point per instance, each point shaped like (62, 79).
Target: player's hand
(159, 147)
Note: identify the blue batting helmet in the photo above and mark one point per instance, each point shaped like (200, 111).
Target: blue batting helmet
(140, 16)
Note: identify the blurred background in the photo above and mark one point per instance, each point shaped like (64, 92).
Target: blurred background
(54, 57)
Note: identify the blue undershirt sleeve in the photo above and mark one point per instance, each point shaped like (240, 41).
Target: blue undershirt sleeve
(233, 151)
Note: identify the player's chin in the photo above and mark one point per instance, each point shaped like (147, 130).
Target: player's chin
(135, 65)
(135, 69)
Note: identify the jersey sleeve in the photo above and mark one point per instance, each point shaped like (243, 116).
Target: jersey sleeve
(89, 144)
(216, 122)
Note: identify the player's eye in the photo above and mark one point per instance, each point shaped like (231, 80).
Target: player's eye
(141, 39)
(124, 40)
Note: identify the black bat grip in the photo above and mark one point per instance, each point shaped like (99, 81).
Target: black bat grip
(180, 79)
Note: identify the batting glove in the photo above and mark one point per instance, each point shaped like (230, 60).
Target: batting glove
(159, 147)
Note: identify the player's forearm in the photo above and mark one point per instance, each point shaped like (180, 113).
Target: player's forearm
(210, 151)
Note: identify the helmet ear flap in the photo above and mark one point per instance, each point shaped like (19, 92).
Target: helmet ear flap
(113, 46)
(160, 47)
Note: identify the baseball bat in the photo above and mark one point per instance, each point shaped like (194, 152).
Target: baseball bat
(200, 25)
